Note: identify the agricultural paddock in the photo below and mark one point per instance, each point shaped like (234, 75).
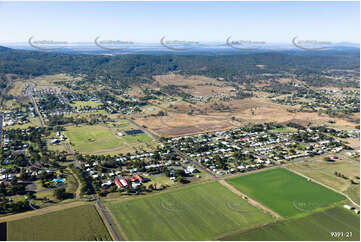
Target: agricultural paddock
(196, 212)
(78, 223)
(285, 192)
(324, 172)
(316, 226)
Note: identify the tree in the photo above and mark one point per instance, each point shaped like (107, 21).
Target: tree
(60, 193)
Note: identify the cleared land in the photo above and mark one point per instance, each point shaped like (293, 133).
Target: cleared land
(199, 212)
(284, 192)
(317, 226)
(79, 223)
(323, 171)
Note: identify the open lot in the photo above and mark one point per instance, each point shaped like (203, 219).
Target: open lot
(206, 118)
(198, 212)
(79, 223)
(285, 192)
(323, 171)
(317, 226)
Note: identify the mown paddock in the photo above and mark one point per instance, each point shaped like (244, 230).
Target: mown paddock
(78, 223)
(90, 138)
(285, 192)
(196, 212)
(320, 170)
(316, 226)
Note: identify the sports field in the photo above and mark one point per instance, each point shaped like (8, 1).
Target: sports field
(90, 138)
(104, 139)
(317, 226)
(285, 192)
(78, 223)
(197, 212)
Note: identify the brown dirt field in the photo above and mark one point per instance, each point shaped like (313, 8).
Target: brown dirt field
(250, 110)
(197, 85)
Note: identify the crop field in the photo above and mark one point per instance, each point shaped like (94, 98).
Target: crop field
(320, 170)
(285, 192)
(198, 212)
(317, 226)
(78, 223)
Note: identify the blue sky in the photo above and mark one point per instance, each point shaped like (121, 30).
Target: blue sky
(193, 21)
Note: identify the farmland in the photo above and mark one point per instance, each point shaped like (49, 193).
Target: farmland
(79, 223)
(198, 212)
(317, 226)
(320, 170)
(285, 192)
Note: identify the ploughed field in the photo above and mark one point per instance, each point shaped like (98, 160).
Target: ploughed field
(197, 212)
(285, 192)
(78, 223)
(335, 223)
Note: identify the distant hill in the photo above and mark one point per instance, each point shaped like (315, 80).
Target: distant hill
(120, 70)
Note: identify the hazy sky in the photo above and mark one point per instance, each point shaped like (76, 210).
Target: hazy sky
(192, 21)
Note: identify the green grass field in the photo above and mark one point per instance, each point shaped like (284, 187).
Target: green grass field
(88, 138)
(137, 138)
(285, 192)
(320, 170)
(100, 139)
(81, 104)
(78, 223)
(197, 212)
(317, 226)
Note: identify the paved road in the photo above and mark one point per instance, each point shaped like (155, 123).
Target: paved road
(101, 209)
(70, 152)
(1, 127)
(143, 129)
(37, 111)
(195, 163)
(181, 154)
